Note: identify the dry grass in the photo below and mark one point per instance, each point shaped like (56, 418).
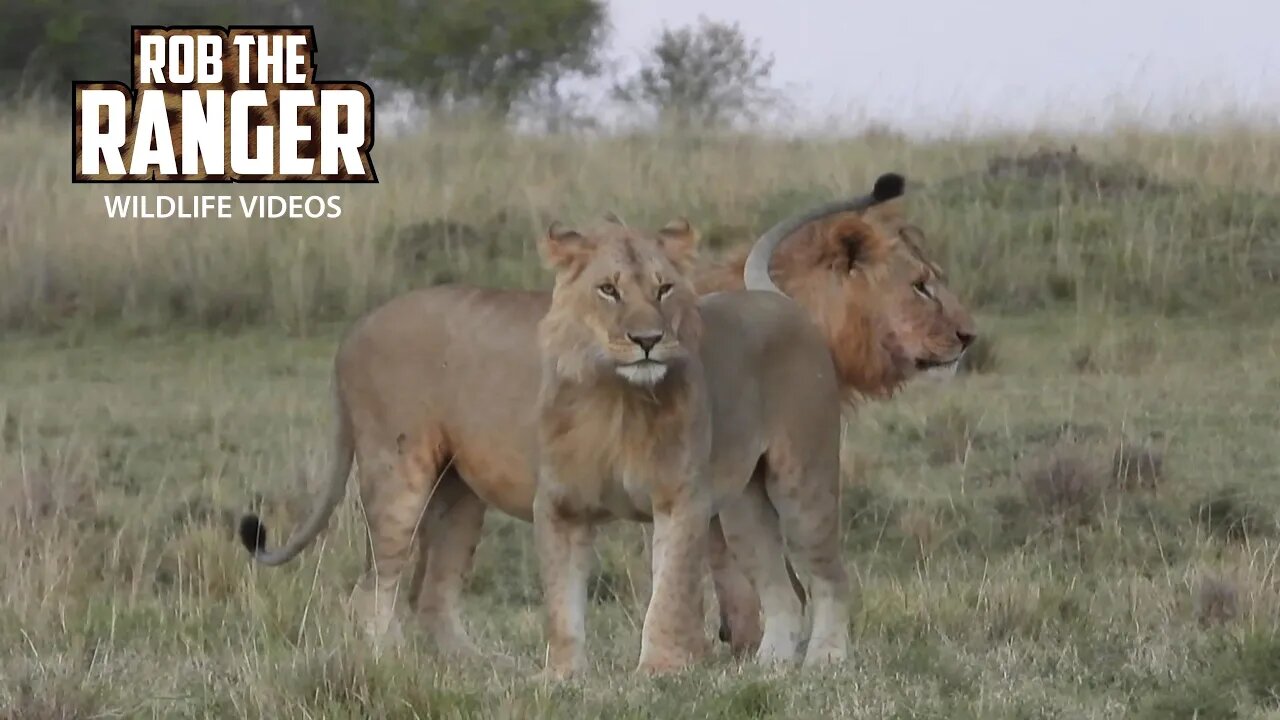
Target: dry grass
(1135, 466)
(131, 435)
(1142, 220)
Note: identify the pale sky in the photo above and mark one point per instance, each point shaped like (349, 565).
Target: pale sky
(926, 65)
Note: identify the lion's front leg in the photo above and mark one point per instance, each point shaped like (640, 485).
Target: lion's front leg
(564, 557)
(673, 635)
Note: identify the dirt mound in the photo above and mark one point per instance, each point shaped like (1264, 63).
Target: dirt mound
(1073, 169)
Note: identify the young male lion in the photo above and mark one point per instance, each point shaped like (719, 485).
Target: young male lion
(435, 394)
(624, 431)
(630, 426)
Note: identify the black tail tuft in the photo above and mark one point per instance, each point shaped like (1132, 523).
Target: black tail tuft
(888, 186)
(253, 534)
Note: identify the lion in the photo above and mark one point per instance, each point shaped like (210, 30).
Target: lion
(632, 426)
(624, 430)
(930, 325)
(435, 392)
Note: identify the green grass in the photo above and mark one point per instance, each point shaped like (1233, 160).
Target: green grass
(976, 599)
(159, 378)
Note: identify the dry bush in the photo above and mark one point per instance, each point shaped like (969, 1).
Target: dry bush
(1217, 601)
(1075, 172)
(1064, 484)
(1233, 514)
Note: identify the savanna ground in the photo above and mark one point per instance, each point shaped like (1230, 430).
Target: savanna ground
(1083, 524)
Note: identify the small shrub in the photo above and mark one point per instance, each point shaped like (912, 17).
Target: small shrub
(1065, 485)
(1217, 601)
(1233, 515)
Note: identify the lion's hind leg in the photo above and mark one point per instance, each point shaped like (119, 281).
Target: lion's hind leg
(752, 532)
(447, 545)
(394, 489)
(807, 500)
(735, 596)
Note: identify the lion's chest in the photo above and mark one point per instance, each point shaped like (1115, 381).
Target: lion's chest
(610, 481)
(607, 464)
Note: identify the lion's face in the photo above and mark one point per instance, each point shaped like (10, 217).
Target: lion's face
(883, 305)
(929, 323)
(622, 304)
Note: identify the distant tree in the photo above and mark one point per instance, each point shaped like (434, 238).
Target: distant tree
(490, 52)
(707, 75)
(495, 52)
(552, 108)
(45, 44)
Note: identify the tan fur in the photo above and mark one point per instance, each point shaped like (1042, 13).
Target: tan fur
(615, 442)
(437, 392)
(911, 331)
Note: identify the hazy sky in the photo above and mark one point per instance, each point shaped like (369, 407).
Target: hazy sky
(926, 64)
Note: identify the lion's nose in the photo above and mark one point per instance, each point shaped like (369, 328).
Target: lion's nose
(966, 339)
(645, 340)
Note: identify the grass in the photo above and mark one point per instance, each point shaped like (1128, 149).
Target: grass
(1166, 221)
(1082, 525)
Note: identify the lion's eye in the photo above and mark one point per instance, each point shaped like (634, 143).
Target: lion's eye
(608, 291)
(664, 289)
(922, 289)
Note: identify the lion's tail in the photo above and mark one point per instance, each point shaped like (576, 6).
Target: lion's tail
(254, 534)
(756, 270)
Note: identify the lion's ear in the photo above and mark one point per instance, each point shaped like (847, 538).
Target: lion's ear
(679, 242)
(855, 244)
(562, 247)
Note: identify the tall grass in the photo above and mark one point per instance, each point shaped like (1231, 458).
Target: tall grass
(1159, 219)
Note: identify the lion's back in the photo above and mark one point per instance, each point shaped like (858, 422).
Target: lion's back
(441, 350)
